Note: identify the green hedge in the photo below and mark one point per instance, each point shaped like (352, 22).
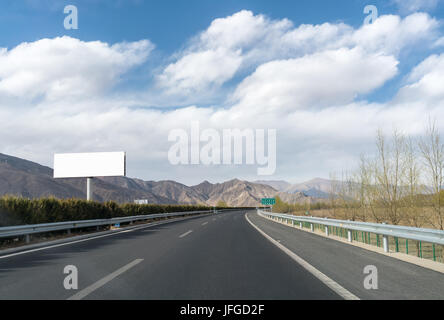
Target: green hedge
(16, 211)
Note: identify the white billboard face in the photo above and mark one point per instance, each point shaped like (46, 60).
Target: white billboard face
(84, 165)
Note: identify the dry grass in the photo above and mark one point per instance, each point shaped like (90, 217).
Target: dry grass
(427, 220)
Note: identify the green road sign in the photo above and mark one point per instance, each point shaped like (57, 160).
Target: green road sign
(268, 201)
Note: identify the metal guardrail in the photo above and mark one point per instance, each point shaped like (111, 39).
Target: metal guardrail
(26, 230)
(386, 230)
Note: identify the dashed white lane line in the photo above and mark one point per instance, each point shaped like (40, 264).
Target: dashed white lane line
(205, 223)
(83, 293)
(336, 287)
(185, 234)
(149, 225)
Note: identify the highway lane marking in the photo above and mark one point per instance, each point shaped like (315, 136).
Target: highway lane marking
(336, 287)
(185, 234)
(154, 224)
(127, 231)
(205, 223)
(83, 293)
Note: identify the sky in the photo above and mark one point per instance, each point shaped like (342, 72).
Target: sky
(134, 71)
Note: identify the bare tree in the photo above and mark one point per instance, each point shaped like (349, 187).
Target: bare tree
(343, 198)
(389, 172)
(333, 193)
(372, 190)
(432, 150)
(362, 184)
(414, 189)
(352, 196)
(390, 187)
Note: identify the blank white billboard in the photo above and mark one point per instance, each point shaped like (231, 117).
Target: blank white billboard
(84, 165)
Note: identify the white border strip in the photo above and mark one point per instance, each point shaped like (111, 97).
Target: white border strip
(336, 287)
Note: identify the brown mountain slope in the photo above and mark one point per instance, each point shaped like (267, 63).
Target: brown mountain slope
(30, 180)
(243, 193)
(316, 188)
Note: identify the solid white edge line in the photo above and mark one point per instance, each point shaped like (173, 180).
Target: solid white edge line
(96, 285)
(149, 225)
(185, 234)
(336, 287)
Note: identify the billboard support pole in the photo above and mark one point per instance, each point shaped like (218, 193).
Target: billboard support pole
(89, 186)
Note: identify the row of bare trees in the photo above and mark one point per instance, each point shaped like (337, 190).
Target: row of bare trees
(401, 184)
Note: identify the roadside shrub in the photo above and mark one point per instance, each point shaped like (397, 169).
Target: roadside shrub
(16, 210)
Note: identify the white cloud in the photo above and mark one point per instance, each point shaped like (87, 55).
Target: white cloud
(200, 71)
(201, 65)
(319, 80)
(245, 40)
(439, 42)
(425, 82)
(390, 34)
(65, 66)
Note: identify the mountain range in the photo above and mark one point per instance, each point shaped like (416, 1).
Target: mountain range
(315, 188)
(28, 179)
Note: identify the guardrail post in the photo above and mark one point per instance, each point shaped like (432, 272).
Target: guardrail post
(385, 243)
(349, 235)
(434, 253)
(300, 225)
(27, 238)
(326, 230)
(69, 231)
(311, 227)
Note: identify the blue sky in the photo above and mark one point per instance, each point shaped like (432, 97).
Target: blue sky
(145, 60)
(167, 23)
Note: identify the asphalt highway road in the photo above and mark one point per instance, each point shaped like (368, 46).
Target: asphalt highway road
(211, 257)
(345, 265)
